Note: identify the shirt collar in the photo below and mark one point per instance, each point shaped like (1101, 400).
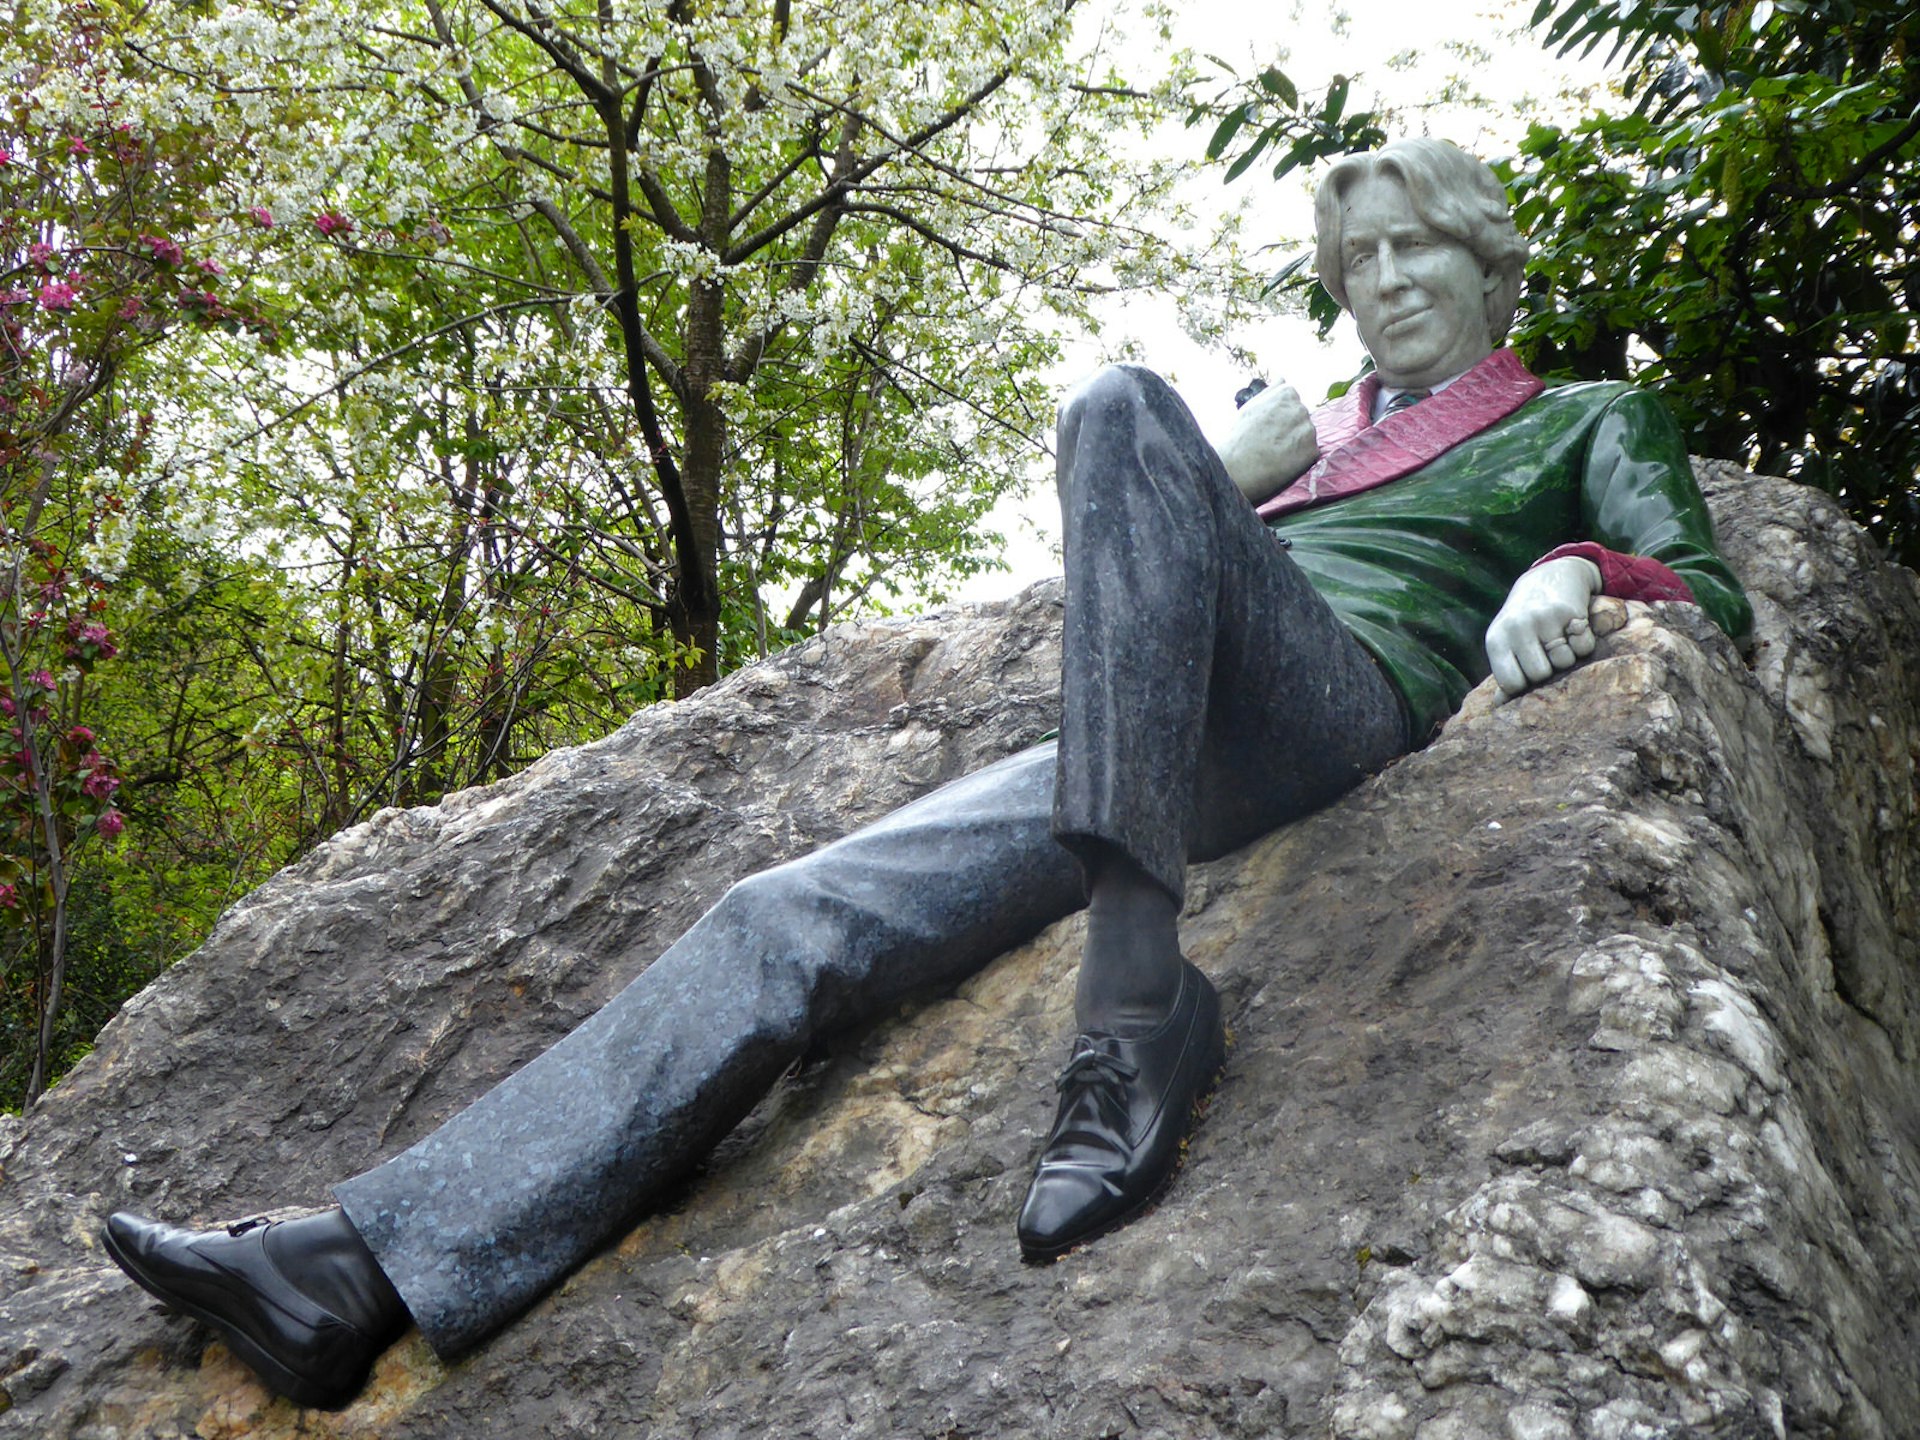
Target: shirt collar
(1384, 396)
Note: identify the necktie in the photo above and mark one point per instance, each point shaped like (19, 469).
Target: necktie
(1403, 400)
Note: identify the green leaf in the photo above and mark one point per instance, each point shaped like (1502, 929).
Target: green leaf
(1225, 131)
(1275, 83)
(1336, 98)
(1250, 154)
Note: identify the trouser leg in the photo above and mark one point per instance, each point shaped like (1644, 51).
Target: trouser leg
(477, 1220)
(1208, 693)
(1222, 699)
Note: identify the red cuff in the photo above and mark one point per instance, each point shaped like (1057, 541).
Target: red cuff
(1626, 577)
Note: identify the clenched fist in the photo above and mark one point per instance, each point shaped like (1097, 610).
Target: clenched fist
(1271, 443)
(1543, 627)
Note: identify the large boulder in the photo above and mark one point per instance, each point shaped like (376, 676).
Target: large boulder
(1575, 1089)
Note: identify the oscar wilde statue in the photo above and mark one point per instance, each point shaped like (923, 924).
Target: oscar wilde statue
(1251, 628)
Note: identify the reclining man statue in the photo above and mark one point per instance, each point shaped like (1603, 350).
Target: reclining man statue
(1226, 669)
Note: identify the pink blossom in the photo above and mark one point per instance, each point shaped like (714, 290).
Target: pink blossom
(91, 642)
(163, 250)
(56, 295)
(80, 735)
(328, 222)
(6, 705)
(99, 785)
(77, 146)
(111, 824)
(42, 678)
(41, 256)
(9, 897)
(262, 217)
(15, 296)
(211, 267)
(130, 307)
(6, 156)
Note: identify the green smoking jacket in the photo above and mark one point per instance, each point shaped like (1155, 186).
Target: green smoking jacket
(1418, 567)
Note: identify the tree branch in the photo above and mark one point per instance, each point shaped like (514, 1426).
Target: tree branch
(338, 386)
(845, 180)
(535, 30)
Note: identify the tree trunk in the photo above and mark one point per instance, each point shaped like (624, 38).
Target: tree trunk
(695, 608)
(696, 543)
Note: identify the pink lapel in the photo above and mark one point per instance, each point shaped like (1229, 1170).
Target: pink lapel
(1356, 455)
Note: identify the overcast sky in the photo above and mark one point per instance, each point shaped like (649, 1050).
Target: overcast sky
(1411, 51)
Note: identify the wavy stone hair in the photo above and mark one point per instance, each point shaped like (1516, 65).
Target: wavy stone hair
(1452, 192)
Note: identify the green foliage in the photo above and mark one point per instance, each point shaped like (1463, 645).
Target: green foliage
(1269, 115)
(1299, 135)
(1744, 238)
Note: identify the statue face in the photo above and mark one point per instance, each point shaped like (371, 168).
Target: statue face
(1418, 296)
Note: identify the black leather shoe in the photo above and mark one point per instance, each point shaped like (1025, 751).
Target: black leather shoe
(300, 1301)
(1126, 1103)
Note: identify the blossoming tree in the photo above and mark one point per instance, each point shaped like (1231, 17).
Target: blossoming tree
(92, 274)
(784, 268)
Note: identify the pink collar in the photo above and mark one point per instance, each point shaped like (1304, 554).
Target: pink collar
(1356, 454)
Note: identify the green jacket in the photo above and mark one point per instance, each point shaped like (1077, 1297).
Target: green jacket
(1419, 566)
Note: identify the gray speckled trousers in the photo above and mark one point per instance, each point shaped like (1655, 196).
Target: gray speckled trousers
(1208, 695)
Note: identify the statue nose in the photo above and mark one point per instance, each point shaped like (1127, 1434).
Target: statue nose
(1387, 271)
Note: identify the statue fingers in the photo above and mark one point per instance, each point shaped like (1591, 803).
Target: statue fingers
(1580, 637)
(1515, 650)
(1532, 658)
(1507, 673)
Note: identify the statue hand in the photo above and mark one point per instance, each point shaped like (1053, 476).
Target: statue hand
(1543, 627)
(1271, 444)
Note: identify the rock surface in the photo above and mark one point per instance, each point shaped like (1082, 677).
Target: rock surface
(1576, 1090)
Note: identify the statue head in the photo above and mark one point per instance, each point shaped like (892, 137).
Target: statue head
(1416, 241)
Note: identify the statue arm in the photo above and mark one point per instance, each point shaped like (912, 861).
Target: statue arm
(1652, 539)
(1639, 503)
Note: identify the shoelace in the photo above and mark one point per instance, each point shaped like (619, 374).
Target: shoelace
(241, 1227)
(1116, 1071)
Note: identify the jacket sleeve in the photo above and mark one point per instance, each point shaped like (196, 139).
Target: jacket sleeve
(1638, 498)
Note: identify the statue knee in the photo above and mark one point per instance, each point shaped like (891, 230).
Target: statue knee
(1118, 388)
(769, 936)
(791, 920)
(771, 903)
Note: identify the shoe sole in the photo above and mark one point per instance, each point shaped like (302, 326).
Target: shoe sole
(276, 1376)
(1216, 1063)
